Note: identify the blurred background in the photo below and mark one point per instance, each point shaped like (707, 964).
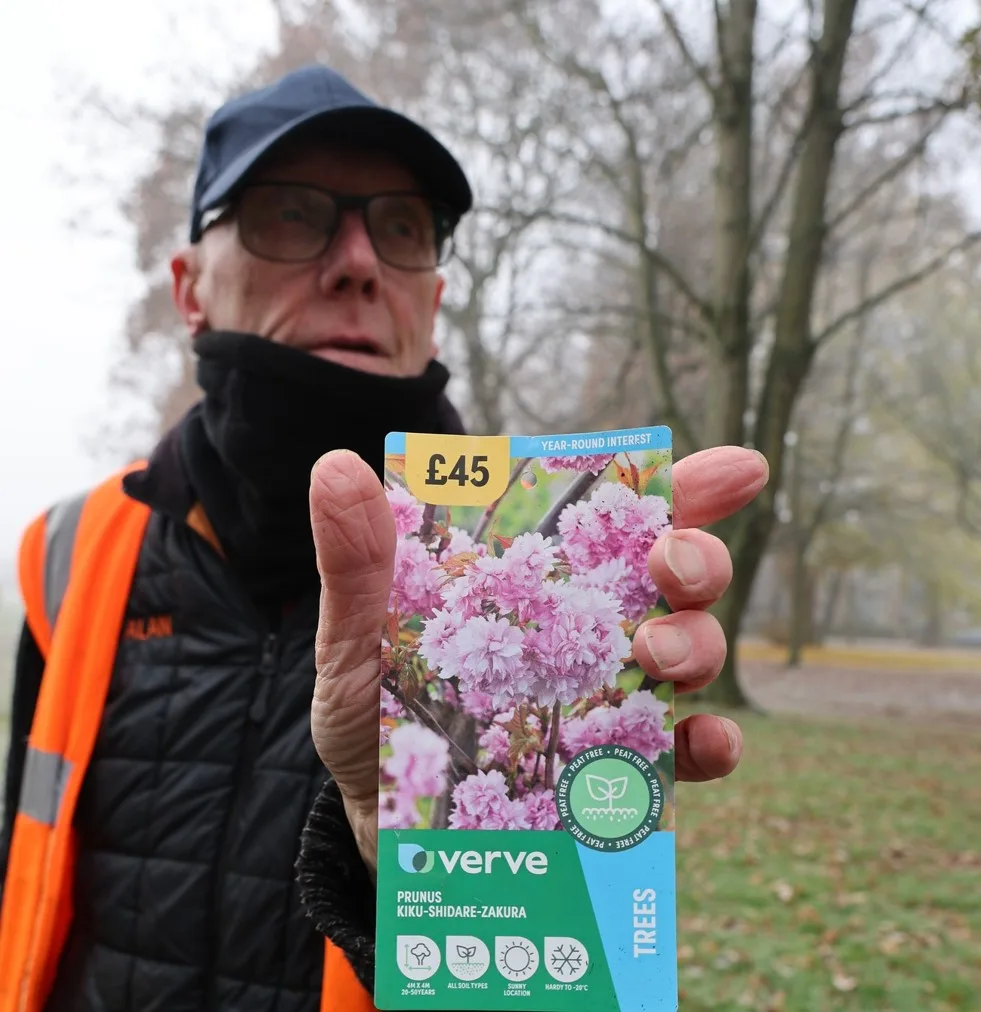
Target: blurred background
(755, 223)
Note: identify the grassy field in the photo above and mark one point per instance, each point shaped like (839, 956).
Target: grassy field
(837, 869)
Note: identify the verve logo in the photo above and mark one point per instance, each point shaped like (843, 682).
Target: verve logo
(416, 861)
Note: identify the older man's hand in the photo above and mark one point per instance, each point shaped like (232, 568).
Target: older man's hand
(355, 537)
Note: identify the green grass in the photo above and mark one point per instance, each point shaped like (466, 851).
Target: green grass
(838, 868)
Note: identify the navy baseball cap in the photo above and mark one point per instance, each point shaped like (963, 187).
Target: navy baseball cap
(316, 98)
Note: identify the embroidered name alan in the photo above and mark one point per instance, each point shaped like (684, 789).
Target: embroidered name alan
(153, 628)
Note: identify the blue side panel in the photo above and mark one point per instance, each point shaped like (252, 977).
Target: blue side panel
(644, 970)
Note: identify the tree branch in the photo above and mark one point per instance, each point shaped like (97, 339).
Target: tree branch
(553, 743)
(427, 717)
(488, 514)
(895, 115)
(938, 444)
(659, 351)
(694, 64)
(658, 259)
(674, 155)
(783, 179)
(628, 311)
(576, 491)
(894, 169)
(849, 403)
(897, 54)
(576, 418)
(921, 11)
(894, 288)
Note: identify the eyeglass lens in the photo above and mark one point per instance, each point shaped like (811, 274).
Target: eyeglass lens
(296, 223)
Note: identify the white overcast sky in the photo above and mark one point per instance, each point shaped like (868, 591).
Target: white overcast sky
(64, 295)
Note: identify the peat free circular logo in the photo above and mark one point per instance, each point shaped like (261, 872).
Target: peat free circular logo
(609, 797)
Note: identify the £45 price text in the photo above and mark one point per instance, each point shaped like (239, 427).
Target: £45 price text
(462, 472)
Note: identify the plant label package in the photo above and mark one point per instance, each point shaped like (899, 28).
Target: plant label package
(526, 777)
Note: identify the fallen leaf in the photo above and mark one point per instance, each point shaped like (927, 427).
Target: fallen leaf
(892, 943)
(852, 899)
(784, 891)
(726, 959)
(842, 982)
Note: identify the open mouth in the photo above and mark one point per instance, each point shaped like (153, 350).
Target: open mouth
(359, 345)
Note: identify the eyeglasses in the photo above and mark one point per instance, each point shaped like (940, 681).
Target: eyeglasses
(296, 223)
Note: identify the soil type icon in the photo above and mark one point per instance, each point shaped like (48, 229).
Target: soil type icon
(608, 790)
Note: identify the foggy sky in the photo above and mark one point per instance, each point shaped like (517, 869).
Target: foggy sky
(65, 294)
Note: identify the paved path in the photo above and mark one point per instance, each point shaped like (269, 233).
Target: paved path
(945, 696)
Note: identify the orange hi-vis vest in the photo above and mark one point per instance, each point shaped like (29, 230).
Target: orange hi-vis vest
(76, 568)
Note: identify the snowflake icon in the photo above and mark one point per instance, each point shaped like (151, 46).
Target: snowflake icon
(566, 963)
(566, 959)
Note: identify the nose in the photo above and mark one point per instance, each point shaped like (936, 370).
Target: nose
(350, 265)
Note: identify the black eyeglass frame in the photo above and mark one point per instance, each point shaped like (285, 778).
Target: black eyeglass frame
(445, 221)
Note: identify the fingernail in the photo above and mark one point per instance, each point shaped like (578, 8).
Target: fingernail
(685, 561)
(732, 734)
(762, 457)
(668, 644)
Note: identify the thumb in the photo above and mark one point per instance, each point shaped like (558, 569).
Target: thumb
(354, 533)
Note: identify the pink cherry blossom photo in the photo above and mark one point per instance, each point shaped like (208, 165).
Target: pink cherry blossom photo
(508, 644)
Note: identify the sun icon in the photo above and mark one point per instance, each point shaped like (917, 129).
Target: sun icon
(517, 959)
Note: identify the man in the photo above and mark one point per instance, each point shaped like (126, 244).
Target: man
(162, 771)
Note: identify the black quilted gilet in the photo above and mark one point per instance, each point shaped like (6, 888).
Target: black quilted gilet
(190, 817)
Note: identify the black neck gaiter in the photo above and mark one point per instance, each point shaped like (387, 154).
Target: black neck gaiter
(268, 414)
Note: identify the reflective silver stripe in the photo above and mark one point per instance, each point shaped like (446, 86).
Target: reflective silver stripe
(43, 786)
(60, 527)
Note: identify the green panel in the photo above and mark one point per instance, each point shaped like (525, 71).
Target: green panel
(486, 920)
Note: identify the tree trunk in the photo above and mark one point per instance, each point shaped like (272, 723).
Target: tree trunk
(462, 729)
(932, 633)
(728, 380)
(729, 367)
(799, 604)
(746, 535)
(793, 348)
(830, 610)
(801, 609)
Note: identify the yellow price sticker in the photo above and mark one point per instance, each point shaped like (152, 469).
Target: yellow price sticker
(457, 470)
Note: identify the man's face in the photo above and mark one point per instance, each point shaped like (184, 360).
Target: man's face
(346, 306)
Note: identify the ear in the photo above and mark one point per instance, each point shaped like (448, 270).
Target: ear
(185, 269)
(437, 302)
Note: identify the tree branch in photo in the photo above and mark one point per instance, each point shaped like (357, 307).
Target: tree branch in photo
(895, 287)
(699, 69)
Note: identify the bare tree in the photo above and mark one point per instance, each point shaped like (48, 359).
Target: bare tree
(674, 190)
(785, 93)
(931, 388)
(883, 472)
